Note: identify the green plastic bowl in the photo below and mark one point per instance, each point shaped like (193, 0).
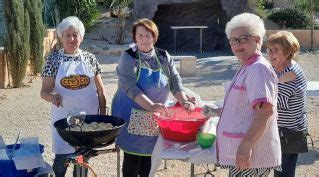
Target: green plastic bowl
(205, 140)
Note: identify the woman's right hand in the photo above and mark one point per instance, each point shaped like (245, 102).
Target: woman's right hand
(188, 106)
(56, 99)
(158, 107)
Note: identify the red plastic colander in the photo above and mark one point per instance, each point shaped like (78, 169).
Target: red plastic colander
(179, 125)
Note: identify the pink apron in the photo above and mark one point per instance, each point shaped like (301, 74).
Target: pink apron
(253, 83)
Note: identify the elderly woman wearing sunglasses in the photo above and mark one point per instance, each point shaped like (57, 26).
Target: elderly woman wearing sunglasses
(247, 134)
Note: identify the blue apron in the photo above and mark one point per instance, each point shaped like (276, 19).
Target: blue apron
(140, 133)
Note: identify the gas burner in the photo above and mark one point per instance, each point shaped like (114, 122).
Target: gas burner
(82, 155)
(90, 143)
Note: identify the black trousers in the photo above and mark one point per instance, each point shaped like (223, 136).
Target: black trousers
(134, 165)
(288, 165)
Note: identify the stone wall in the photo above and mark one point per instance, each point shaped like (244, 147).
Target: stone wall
(208, 14)
(50, 44)
(211, 13)
(303, 36)
(284, 3)
(147, 8)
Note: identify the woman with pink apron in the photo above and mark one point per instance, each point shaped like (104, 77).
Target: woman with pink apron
(247, 133)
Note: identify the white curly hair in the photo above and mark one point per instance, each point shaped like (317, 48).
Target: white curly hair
(253, 23)
(71, 22)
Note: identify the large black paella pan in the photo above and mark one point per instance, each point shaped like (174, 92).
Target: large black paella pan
(83, 137)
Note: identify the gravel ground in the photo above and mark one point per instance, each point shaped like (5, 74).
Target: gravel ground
(22, 109)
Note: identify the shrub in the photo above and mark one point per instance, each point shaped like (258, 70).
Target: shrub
(267, 4)
(290, 18)
(106, 3)
(86, 10)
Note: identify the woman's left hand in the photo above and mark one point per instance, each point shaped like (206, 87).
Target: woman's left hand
(243, 156)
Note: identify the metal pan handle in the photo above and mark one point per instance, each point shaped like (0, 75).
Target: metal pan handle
(103, 110)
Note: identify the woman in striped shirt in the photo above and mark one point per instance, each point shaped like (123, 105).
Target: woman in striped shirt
(282, 48)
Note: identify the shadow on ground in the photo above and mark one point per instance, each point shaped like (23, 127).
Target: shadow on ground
(107, 59)
(109, 77)
(308, 158)
(212, 68)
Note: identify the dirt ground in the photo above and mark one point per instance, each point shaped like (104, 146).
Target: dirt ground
(23, 109)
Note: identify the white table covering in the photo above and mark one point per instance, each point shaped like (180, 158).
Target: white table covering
(184, 151)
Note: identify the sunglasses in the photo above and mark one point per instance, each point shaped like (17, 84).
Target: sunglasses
(239, 40)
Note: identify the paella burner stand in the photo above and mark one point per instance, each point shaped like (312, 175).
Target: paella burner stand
(82, 155)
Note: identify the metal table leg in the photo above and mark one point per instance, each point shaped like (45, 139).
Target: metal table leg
(201, 39)
(192, 170)
(118, 161)
(175, 33)
(80, 171)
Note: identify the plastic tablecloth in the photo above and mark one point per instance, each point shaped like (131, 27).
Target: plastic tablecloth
(185, 151)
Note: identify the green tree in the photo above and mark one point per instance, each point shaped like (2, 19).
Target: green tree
(17, 39)
(86, 10)
(34, 8)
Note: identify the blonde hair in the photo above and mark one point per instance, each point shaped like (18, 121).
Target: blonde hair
(253, 24)
(148, 24)
(287, 41)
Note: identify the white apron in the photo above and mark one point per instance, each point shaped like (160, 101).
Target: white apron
(75, 83)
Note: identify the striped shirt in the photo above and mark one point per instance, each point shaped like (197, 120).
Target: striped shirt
(292, 100)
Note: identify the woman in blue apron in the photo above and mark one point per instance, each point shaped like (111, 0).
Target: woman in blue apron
(71, 78)
(146, 75)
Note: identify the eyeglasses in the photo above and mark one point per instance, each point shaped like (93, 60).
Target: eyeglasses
(69, 36)
(239, 40)
(272, 51)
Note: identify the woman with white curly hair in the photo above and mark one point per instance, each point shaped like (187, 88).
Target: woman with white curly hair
(71, 78)
(247, 133)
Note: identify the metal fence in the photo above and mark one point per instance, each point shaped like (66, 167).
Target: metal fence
(2, 25)
(49, 13)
